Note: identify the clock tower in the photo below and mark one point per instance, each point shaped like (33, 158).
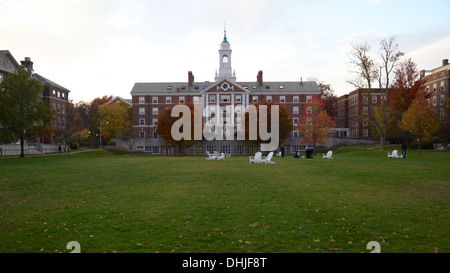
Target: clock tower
(225, 71)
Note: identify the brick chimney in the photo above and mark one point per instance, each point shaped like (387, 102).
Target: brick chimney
(190, 79)
(259, 78)
(444, 62)
(28, 64)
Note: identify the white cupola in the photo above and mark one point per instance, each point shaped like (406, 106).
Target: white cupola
(225, 70)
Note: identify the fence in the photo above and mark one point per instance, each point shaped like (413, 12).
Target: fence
(36, 149)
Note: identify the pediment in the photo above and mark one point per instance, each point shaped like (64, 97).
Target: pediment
(225, 86)
(8, 63)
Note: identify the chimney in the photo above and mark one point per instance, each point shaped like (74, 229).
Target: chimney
(422, 74)
(28, 64)
(259, 78)
(444, 62)
(190, 79)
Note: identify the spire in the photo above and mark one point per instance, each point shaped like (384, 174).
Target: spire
(225, 33)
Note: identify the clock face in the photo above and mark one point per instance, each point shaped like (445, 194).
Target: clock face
(225, 86)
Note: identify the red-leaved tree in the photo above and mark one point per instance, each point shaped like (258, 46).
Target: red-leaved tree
(315, 124)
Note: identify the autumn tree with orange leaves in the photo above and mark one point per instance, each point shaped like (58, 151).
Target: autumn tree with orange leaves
(420, 120)
(164, 129)
(315, 124)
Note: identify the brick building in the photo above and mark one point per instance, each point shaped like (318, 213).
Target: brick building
(54, 94)
(438, 84)
(353, 112)
(149, 100)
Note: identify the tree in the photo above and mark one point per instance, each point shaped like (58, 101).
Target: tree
(285, 123)
(23, 113)
(420, 120)
(407, 86)
(164, 129)
(329, 99)
(315, 124)
(94, 117)
(115, 118)
(369, 72)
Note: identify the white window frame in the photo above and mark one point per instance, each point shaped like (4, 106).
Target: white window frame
(282, 99)
(142, 122)
(141, 100)
(155, 100)
(181, 99)
(141, 111)
(155, 111)
(168, 100)
(295, 110)
(269, 98)
(296, 99)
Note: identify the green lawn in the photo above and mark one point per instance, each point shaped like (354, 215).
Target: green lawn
(188, 204)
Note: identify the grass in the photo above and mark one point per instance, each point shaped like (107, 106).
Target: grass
(190, 205)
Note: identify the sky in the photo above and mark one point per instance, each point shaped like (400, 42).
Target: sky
(103, 47)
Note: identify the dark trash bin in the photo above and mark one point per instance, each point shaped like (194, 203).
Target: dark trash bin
(309, 152)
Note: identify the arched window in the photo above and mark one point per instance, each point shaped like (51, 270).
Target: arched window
(225, 59)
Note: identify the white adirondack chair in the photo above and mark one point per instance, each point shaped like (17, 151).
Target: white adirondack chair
(210, 156)
(394, 154)
(221, 157)
(329, 155)
(255, 159)
(268, 160)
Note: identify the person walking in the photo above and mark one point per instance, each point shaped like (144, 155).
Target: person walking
(404, 148)
(282, 150)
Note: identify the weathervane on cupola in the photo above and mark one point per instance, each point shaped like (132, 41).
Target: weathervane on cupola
(225, 70)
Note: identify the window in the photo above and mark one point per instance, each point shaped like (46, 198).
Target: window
(169, 87)
(309, 110)
(442, 86)
(281, 86)
(295, 99)
(54, 107)
(295, 121)
(141, 100)
(59, 108)
(442, 114)
(442, 99)
(212, 98)
(365, 132)
(168, 100)
(141, 122)
(155, 100)
(155, 134)
(308, 99)
(268, 98)
(225, 98)
(141, 134)
(365, 110)
(374, 99)
(255, 99)
(282, 99)
(296, 134)
(225, 59)
(155, 110)
(63, 109)
(181, 100)
(434, 87)
(295, 110)
(434, 101)
(238, 98)
(64, 123)
(141, 111)
(365, 99)
(54, 93)
(59, 123)
(155, 121)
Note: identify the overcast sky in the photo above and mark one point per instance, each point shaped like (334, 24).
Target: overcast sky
(103, 47)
